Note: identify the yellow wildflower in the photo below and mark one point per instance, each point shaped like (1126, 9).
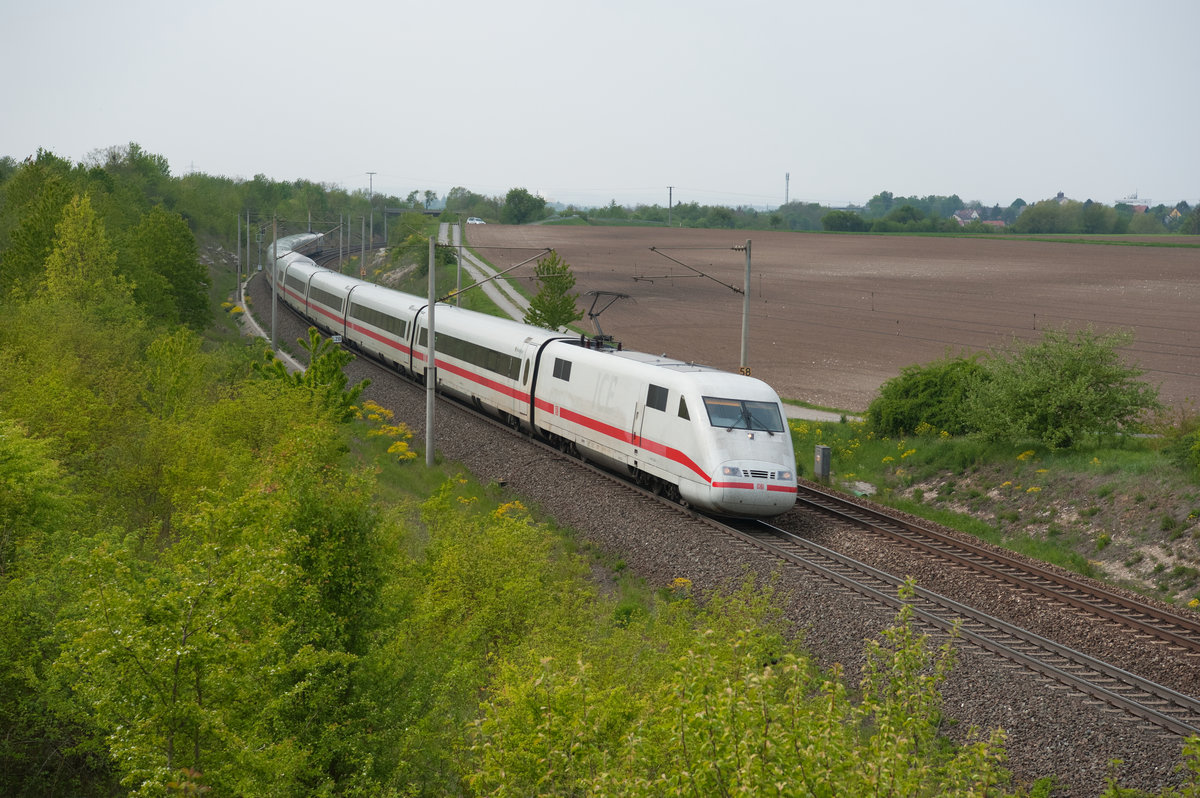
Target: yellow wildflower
(513, 508)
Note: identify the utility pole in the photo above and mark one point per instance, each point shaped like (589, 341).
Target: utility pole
(787, 179)
(670, 202)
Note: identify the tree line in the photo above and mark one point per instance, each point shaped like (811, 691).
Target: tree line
(886, 213)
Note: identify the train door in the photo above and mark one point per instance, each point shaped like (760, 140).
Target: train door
(635, 430)
(527, 353)
(420, 361)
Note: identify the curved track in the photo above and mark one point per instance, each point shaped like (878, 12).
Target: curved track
(1159, 706)
(1176, 630)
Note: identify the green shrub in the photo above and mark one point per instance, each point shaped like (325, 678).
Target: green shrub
(1060, 390)
(930, 394)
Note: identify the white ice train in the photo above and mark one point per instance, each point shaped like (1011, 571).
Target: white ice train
(712, 440)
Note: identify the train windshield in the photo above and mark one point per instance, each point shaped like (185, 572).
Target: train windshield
(743, 414)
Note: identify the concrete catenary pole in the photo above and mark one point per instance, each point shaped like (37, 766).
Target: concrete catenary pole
(745, 366)
(371, 205)
(274, 269)
(430, 365)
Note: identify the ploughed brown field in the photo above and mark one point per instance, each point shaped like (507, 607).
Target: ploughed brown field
(834, 316)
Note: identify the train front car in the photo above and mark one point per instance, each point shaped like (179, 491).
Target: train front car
(748, 447)
(714, 440)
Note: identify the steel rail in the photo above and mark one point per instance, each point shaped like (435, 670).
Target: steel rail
(1172, 711)
(1174, 629)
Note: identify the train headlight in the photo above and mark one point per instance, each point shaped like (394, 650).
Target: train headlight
(786, 476)
(731, 471)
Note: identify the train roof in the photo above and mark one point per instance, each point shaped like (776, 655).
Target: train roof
(705, 379)
(295, 241)
(661, 361)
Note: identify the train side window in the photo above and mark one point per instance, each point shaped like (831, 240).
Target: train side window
(683, 411)
(562, 369)
(423, 337)
(656, 397)
(525, 379)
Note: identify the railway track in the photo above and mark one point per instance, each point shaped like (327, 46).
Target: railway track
(1154, 623)
(1159, 707)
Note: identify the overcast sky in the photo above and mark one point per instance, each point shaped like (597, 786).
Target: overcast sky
(588, 102)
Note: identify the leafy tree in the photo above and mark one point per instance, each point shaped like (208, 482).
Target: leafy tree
(843, 221)
(1010, 214)
(1146, 223)
(410, 246)
(553, 307)
(880, 205)
(74, 382)
(931, 394)
(802, 216)
(1191, 224)
(719, 217)
(467, 203)
(325, 378)
(227, 651)
(1098, 218)
(82, 267)
(905, 214)
(520, 207)
(1059, 390)
(42, 752)
(1050, 216)
(162, 260)
(33, 203)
